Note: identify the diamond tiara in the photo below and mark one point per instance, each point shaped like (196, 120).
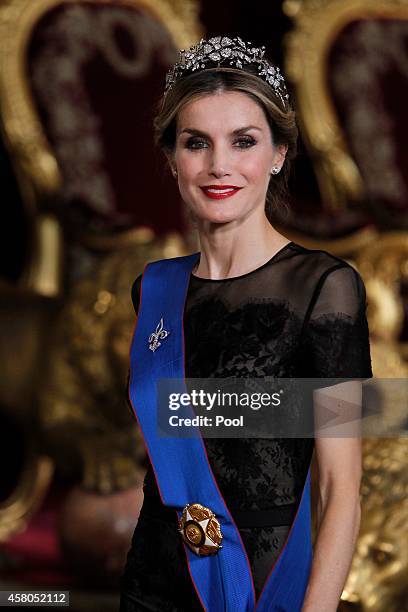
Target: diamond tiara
(224, 50)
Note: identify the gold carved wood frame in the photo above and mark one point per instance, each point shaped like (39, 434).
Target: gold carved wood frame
(34, 163)
(317, 24)
(39, 180)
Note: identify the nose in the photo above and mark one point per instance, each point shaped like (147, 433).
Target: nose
(219, 163)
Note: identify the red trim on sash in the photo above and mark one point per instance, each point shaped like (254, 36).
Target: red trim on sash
(141, 430)
(138, 422)
(284, 546)
(216, 484)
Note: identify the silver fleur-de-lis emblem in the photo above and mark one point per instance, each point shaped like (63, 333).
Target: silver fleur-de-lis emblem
(156, 336)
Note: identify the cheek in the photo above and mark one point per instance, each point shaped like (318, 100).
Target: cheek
(256, 169)
(256, 163)
(189, 166)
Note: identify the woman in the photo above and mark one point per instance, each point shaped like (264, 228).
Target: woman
(255, 305)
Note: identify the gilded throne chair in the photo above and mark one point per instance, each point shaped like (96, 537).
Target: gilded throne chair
(80, 82)
(347, 60)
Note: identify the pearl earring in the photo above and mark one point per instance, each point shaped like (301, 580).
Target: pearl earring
(175, 173)
(275, 170)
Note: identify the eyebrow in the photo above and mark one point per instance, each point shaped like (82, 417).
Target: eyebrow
(195, 132)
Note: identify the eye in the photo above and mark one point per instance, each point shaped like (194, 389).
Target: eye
(195, 143)
(245, 142)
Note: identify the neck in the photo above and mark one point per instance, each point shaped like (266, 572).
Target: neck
(228, 251)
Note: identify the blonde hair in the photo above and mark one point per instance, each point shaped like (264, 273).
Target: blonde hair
(282, 122)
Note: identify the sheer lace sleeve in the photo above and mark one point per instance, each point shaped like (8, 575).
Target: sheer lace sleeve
(335, 333)
(135, 292)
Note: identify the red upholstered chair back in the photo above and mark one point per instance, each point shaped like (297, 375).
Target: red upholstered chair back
(368, 78)
(96, 72)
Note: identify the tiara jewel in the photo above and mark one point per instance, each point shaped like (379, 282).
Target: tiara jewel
(224, 50)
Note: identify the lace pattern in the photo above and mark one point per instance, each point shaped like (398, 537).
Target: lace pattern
(300, 315)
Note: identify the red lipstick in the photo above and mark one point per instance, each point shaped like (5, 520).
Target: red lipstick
(220, 192)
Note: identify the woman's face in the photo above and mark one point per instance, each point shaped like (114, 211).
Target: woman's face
(224, 155)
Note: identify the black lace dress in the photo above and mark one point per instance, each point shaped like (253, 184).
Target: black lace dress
(301, 314)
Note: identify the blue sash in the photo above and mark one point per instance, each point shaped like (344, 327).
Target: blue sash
(223, 581)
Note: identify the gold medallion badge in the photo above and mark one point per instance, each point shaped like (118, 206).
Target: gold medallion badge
(200, 529)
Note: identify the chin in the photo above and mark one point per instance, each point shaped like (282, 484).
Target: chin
(219, 217)
(214, 211)
(217, 213)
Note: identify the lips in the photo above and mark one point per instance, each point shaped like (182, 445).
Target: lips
(220, 192)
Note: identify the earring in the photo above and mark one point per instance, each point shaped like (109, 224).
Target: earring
(275, 170)
(174, 173)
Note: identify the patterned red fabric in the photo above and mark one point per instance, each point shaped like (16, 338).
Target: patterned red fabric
(96, 73)
(33, 557)
(368, 74)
